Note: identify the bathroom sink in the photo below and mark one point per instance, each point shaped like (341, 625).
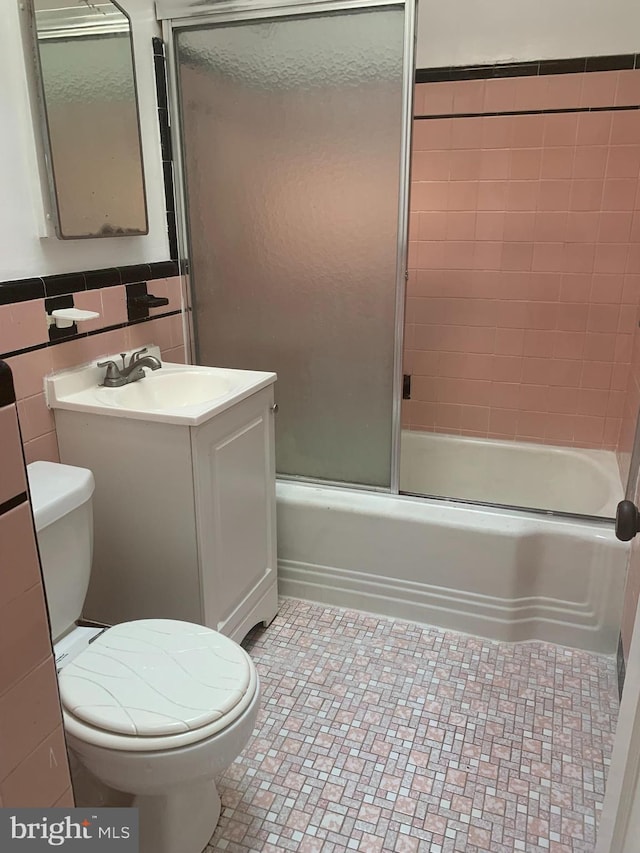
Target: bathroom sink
(163, 389)
(175, 393)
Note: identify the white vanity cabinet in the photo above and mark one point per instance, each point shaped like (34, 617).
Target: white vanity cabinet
(234, 486)
(184, 515)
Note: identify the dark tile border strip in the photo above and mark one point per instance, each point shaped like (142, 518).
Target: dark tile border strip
(160, 69)
(557, 111)
(584, 64)
(21, 290)
(12, 503)
(7, 391)
(26, 289)
(97, 279)
(60, 285)
(88, 334)
(621, 667)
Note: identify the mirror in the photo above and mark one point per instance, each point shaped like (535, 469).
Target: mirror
(89, 108)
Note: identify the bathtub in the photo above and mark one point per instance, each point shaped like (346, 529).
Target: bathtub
(520, 474)
(497, 573)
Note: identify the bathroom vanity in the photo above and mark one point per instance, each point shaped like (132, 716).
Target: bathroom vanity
(184, 506)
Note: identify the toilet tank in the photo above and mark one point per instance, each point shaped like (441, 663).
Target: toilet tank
(61, 503)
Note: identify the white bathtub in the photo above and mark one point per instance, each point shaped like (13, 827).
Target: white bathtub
(514, 473)
(501, 574)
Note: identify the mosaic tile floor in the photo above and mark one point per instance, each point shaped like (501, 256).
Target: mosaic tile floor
(377, 735)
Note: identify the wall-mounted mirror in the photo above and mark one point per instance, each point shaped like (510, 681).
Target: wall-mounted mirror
(89, 110)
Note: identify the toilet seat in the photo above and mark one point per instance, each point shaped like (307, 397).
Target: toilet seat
(156, 684)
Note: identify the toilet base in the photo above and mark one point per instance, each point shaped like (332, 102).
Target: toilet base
(183, 820)
(180, 820)
(173, 789)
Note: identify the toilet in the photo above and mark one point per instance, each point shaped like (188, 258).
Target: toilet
(154, 709)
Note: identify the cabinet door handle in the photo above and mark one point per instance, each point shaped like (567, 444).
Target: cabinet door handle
(274, 408)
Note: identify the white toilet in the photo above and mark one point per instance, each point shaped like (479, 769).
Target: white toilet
(153, 709)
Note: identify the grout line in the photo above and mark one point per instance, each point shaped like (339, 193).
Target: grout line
(555, 111)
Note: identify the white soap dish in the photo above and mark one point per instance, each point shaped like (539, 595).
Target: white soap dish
(63, 318)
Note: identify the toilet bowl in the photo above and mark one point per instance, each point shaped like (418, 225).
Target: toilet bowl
(154, 710)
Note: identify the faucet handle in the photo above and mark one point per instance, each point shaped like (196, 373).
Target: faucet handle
(136, 355)
(113, 371)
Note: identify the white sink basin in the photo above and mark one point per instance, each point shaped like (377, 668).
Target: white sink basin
(175, 393)
(167, 390)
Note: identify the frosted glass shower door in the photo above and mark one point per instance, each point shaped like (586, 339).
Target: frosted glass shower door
(292, 142)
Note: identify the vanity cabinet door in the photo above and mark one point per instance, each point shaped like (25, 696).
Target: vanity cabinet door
(234, 482)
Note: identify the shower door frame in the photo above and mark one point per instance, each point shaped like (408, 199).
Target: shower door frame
(182, 14)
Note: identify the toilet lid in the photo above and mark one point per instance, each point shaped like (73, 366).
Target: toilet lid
(156, 677)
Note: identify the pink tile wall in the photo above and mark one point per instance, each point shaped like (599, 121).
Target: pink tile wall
(524, 259)
(33, 759)
(37, 421)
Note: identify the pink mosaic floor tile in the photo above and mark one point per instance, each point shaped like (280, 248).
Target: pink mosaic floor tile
(380, 735)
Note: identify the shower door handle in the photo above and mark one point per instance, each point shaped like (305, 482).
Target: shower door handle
(627, 521)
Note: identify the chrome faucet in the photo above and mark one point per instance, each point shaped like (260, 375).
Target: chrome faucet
(132, 372)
